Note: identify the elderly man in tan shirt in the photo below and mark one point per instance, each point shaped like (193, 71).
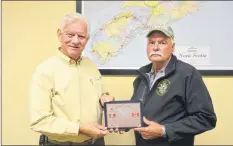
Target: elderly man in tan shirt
(66, 92)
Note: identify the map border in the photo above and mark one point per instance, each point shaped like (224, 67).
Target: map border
(206, 72)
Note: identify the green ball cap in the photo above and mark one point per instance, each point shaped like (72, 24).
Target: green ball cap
(167, 30)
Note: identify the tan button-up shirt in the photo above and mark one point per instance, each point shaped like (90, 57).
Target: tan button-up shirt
(64, 94)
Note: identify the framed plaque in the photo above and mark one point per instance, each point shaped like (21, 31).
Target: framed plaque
(123, 114)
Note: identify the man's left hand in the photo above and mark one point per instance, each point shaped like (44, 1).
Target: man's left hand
(154, 130)
(106, 98)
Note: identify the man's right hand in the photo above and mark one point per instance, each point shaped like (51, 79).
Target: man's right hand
(93, 130)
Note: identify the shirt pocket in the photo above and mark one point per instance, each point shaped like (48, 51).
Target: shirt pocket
(96, 84)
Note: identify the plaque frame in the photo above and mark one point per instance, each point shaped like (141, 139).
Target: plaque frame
(120, 102)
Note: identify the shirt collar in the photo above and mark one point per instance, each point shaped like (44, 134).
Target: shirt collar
(162, 70)
(68, 59)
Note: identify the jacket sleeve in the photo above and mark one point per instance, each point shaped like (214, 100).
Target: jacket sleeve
(201, 116)
(42, 117)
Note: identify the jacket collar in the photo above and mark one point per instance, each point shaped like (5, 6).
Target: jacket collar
(171, 66)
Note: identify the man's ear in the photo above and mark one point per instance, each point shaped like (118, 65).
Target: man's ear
(88, 37)
(173, 47)
(59, 34)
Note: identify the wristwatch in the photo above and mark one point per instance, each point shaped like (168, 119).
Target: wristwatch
(106, 93)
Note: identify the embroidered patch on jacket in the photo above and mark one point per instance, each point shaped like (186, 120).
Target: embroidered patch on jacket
(162, 87)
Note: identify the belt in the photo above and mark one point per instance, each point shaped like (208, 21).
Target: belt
(86, 142)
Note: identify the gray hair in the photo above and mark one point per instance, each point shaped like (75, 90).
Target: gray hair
(173, 41)
(72, 18)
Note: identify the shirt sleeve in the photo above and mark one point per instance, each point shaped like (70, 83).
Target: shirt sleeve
(104, 89)
(201, 116)
(42, 117)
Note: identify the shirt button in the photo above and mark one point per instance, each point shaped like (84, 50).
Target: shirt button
(72, 61)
